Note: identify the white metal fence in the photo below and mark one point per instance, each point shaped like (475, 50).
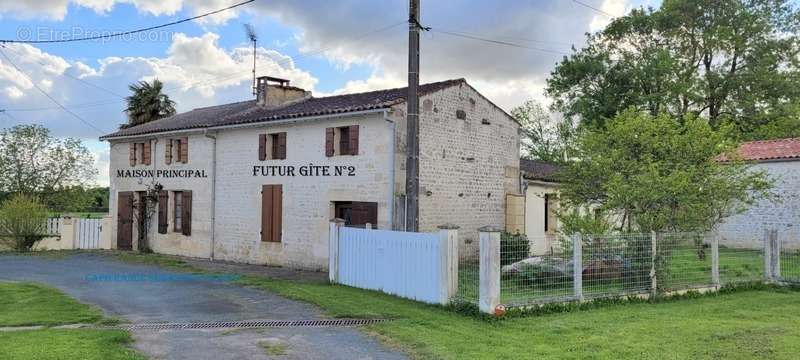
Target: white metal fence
(87, 233)
(418, 266)
(53, 226)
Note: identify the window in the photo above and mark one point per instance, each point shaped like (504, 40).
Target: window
(550, 212)
(271, 213)
(272, 146)
(177, 213)
(341, 140)
(163, 200)
(140, 153)
(177, 150)
(357, 214)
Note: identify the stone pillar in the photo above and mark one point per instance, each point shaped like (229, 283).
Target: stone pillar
(105, 232)
(767, 255)
(333, 250)
(448, 243)
(489, 269)
(653, 260)
(775, 261)
(577, 266)
(67, 233)
(715, 260)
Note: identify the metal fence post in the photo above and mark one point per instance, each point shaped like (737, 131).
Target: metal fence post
(767, 255)
(577, 266)
(489, 289)
(775, 258)
(448, 244)
(715, 260)
(653, 260)
(333, 250)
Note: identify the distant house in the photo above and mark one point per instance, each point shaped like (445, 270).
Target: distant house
(540, 186)
(780, 159)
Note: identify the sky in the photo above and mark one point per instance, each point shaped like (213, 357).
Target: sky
(327, 47)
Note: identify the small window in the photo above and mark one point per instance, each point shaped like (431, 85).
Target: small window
(357, 214)
(344, 140)
(341, 140)
(272, 146)
(177, 212)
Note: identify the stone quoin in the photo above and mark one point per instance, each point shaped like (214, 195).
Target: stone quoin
(258, 181)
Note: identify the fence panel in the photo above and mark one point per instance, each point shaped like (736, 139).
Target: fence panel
(615, 265)
(405, 264)
(53, 226)
(468, 273)
(789, 268)
(87, 233)
(528, 279)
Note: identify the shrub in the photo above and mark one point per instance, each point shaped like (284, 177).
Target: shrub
(513, 248)
(22, 222)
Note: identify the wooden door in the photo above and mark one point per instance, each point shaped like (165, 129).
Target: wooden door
(125, 220)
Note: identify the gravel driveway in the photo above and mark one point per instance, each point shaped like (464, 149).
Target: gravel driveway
(95, 279)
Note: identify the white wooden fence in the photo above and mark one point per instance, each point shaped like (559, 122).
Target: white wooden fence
(87, 233)
(53, 226)
(418, 266)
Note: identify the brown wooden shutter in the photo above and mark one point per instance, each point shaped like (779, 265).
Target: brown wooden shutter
(329, 149)
(168, 152)
(133, 154)
(262, 147)
(147, 152)
(271, 212)
(353, 139)
(163, 199)
(266, 213)
(281, 146)
(184, 150)
(186, 221)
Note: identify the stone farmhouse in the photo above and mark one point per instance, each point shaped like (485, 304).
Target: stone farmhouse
(780, 159)
(258, 181)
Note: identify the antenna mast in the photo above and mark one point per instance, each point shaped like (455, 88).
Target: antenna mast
(251, 34)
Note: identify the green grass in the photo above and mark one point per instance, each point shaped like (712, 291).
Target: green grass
(743, 325)
(23, 304)
(55, 344)
(27, 304)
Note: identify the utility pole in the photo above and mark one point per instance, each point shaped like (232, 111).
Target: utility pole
(412, 120)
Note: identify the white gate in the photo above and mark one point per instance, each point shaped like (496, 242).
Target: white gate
(87, 233)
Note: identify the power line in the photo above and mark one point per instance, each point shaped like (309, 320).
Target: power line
(3, 53)
(509, 37)
(108, 36)
(593, 8)
(215, 78)
(499, 42)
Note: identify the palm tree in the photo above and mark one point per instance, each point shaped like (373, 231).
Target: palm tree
(147, 103)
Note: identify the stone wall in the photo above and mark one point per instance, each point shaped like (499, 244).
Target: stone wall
(746, 230)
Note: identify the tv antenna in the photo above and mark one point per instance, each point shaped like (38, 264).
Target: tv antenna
(251, 34)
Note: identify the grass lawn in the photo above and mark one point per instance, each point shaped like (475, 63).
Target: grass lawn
(23, 304)
(742, 325)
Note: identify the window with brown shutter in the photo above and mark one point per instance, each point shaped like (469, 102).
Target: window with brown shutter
(133, 154)
(184, 150)
(271, 213)
(353, 139)
(168, 152)
(262, 147)
(177, 211)
(329, 142)
(147, 152)
(278, 146)
(186, 229)
(163, 200)
(344, 140)
(356, 213)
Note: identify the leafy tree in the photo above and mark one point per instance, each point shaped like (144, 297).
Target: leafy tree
(22, 222)
(643, 173)
(147, 103)
(543, 137)
(728, 61)
(32, 162)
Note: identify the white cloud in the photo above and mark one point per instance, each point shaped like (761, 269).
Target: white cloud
(57, 9)
(13, 92)
(612, 7)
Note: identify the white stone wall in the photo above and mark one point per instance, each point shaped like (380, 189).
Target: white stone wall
(746, 230)
(200, 158)
(307, 200)
(466, 167)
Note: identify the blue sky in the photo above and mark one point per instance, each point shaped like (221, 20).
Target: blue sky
(319, 45)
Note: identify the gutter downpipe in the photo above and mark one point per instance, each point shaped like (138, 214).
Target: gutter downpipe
(213, 189)
(390, 205)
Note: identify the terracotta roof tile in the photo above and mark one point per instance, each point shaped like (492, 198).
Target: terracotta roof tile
(769, 150)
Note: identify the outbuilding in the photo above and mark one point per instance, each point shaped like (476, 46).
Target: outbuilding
(258, 181)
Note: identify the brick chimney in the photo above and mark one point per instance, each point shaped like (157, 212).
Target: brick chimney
(273, 92)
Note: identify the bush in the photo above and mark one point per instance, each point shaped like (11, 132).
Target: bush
(513, 248)
(22, 222)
